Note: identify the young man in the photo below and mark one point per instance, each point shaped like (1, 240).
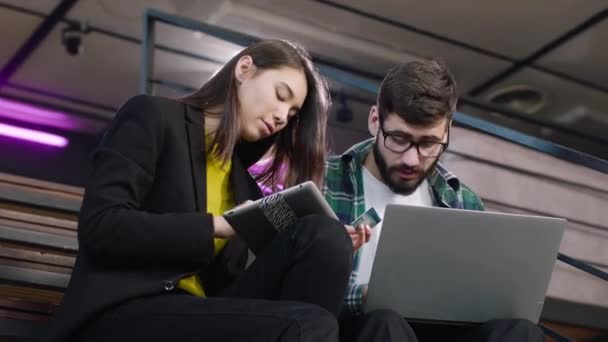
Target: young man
(410, 125)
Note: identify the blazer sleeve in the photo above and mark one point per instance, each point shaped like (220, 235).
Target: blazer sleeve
(112, 224)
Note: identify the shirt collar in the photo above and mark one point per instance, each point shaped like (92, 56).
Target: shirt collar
(440, 179)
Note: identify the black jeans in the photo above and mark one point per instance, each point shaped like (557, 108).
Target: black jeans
(388, 326)
(292, 292)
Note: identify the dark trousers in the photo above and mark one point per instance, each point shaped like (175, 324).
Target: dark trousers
(291, 292)
(387, 325)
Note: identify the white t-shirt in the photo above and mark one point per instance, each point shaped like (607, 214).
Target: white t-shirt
(378, 195)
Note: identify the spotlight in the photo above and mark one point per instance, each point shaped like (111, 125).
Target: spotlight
(71, 37)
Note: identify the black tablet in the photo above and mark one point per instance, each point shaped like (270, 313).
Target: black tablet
(259, 222)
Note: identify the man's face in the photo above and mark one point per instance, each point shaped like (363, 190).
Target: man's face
(403, 172)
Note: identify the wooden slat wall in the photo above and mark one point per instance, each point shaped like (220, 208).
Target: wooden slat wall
(44, 215)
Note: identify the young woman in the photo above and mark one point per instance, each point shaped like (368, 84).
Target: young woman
(157, 260)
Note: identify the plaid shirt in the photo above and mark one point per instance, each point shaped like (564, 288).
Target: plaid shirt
(343, 189)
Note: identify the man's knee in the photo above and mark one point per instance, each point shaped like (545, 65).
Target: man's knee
(384, 317)
(521, 328)
(520, 324)
(526, 327)
(385, 325)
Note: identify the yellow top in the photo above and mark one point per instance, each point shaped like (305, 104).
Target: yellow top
(219, 200)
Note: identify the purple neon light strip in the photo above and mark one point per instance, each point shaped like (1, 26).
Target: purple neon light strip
(41, 116)
(32, 135)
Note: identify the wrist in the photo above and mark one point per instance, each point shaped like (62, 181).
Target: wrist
(221, 228)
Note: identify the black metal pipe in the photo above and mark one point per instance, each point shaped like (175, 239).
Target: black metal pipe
(45, 93)
(509, 113)
(559, 41)
(34, 40)
(463, 45)
(417, 30)
(582, 266)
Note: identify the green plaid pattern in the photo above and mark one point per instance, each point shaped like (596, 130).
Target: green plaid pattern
(343, 189)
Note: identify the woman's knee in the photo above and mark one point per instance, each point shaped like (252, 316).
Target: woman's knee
(327, 234)
(310, 322)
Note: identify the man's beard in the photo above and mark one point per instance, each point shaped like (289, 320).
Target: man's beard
(402, 187)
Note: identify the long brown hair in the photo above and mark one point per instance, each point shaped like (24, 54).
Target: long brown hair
(299, 149)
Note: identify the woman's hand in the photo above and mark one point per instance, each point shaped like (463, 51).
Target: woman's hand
(221, 227)
(360, 235)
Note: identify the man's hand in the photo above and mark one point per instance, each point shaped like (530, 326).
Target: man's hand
(360, 235)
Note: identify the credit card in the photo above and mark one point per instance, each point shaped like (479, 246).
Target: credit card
(370, 217)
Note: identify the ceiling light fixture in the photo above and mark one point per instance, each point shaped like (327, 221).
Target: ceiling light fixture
(24, 112)
(32, 135)
(520, 97)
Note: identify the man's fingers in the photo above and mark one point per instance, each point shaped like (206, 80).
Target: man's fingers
(361, 233)
(357, 244)
(360, 238)
(350, 229)
(368, 233)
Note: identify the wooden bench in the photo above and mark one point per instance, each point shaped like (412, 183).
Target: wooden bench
(38, 247)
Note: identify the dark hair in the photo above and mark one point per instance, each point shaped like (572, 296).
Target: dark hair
(304, 134)
(421, 92)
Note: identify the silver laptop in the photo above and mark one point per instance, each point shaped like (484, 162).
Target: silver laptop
(460, 266)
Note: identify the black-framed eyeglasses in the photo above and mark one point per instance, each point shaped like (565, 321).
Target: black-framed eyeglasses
(400, 143)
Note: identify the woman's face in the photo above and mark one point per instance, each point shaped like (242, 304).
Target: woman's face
(267, 99)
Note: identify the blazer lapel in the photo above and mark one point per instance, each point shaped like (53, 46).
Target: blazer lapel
(245, 155)
(243, 186)
(195, 129)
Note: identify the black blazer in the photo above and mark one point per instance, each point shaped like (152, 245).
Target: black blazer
(144, 223)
